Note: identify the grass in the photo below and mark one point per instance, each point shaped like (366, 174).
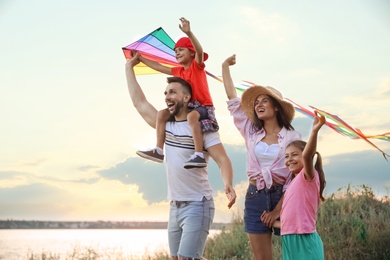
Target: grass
(352, 223)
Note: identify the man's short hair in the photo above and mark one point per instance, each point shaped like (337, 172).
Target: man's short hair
(182, 82)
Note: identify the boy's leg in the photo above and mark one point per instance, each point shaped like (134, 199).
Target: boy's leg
(197, 159)
(162, 119)
(157, 154)
(193, 120)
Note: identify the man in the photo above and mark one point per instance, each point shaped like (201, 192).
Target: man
(189, 191)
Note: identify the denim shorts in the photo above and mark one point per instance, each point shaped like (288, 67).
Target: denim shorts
(188, 227)
(256, 201)
(203, 114)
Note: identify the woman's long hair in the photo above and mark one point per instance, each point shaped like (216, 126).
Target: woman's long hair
(318, 165)
(281, 117)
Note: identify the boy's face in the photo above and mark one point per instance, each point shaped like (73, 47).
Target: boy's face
(184, 55)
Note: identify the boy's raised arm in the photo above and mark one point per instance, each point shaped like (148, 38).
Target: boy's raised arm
(152, 64)
(185, 27)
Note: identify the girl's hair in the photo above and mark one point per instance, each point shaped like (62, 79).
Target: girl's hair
(318, 165)
(281, 116)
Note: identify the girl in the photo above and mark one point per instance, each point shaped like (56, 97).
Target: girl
(300, 239)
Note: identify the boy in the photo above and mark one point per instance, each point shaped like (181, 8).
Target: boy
(189, 54)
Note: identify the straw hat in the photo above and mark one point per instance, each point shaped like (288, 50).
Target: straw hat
(250, 95)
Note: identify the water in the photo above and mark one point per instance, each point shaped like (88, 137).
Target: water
(65, 243)
(128, 243)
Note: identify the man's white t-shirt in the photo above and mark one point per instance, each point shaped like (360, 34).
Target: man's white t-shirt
(186, 184)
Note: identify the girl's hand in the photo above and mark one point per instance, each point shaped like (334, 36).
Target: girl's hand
(268, 218)
(319, 120)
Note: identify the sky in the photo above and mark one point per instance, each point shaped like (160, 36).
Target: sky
(69, 131)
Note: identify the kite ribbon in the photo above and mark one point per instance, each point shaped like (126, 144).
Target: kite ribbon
(340, 126)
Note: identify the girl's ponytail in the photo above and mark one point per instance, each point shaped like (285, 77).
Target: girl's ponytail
(321, 174)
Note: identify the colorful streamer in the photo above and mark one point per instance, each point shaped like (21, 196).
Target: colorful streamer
(340, 126)
(159, 47)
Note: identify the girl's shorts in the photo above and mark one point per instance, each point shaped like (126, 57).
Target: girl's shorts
(302, 246)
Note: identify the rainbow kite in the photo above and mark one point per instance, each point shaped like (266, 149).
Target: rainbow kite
(159, 47)
(156, 46)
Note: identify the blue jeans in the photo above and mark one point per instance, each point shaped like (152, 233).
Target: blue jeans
(188, 227)
(256, 201)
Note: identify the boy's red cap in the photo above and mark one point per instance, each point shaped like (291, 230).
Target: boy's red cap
(185, 42)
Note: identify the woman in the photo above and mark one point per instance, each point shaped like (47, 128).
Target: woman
(264, 120)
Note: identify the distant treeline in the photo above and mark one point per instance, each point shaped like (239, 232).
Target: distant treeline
(36, 224)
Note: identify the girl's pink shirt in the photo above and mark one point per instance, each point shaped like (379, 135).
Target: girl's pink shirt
(267, 175)
(300, 205)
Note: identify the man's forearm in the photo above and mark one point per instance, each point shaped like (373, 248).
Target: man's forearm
(144, 108)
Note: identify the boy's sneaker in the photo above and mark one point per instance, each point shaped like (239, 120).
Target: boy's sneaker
(195, 162)
(152, 155)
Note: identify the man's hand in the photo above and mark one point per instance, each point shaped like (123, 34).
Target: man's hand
(131, 63)
(231, 195)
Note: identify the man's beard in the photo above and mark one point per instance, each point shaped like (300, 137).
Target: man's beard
(178, 106)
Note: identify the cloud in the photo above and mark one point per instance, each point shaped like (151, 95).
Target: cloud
(365, 167)
(15, 179)
(273, 25)
(35, 201)
(37, 162)
(150, 177)
(303, 125)
(87, 181)
(4, 175)
(32, 193)
(10, 179)
(106, 199)
(222, 212)
(369, 112)
(88, 167)
(343, 169)
(135, 189)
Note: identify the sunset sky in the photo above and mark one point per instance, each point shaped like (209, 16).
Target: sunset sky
(69, 131)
